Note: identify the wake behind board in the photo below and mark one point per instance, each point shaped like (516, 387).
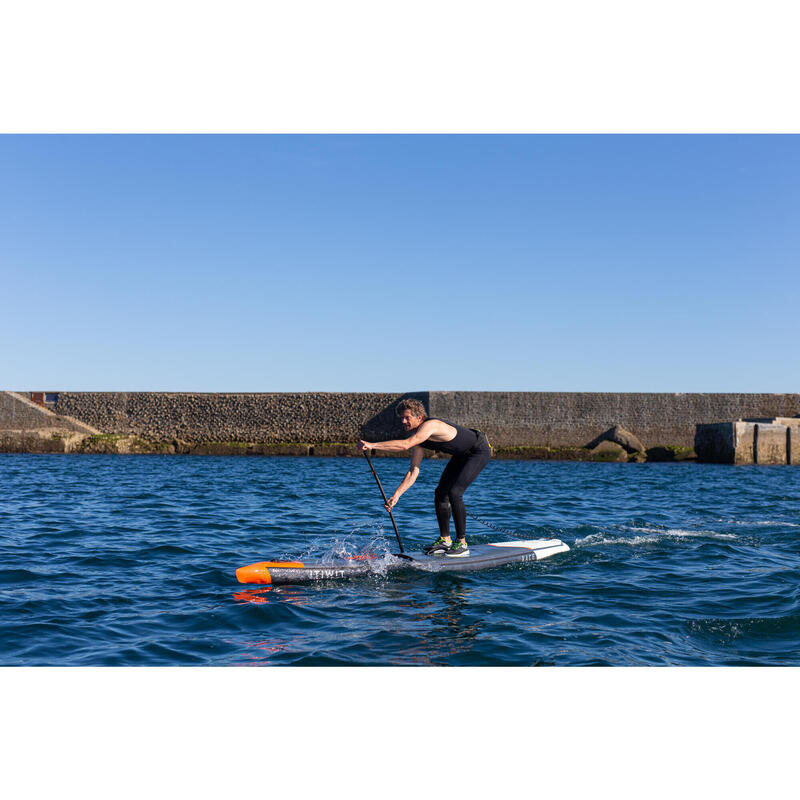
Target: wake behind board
(481, 556)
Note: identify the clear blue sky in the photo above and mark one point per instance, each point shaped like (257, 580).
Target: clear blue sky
(399, 263)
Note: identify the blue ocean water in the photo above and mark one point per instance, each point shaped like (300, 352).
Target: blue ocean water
(130, 560)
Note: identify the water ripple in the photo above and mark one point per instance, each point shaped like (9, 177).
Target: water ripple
(108, 560)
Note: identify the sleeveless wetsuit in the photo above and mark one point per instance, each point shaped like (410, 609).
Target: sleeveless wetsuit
(470, 453)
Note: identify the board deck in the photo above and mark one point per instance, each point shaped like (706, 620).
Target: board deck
(481, 556)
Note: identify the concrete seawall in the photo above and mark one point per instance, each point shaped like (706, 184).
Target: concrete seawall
(572, 419)
(312, 417)
(510, 419)
(518, 424)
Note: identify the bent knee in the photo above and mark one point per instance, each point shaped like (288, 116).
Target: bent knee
(456, 494)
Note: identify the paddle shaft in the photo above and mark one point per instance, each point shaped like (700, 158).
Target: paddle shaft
(378, 481)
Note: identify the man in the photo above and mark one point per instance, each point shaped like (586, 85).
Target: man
(469, 453)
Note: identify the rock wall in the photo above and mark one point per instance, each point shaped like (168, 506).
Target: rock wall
(510, 419)
(573, 419)
(518, 424)
(313, 417)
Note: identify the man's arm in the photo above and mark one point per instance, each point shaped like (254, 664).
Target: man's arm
(408, 480)
(421, 434)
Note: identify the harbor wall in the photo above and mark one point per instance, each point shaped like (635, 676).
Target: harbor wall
(308, 417)
(573, 419)
(510, 419)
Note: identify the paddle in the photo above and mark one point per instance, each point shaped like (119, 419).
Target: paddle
(391, 516)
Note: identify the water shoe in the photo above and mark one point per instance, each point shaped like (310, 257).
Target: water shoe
(438, 548)
(458, 549)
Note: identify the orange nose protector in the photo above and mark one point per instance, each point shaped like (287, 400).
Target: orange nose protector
(259, 573)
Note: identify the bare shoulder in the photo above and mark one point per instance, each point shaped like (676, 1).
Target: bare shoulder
(437, 430)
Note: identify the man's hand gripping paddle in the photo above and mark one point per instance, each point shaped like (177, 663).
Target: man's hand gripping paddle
(401, 554)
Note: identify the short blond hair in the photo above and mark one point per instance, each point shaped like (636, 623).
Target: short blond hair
(414, 406)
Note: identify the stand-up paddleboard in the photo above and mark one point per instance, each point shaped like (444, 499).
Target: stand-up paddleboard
(481, 556)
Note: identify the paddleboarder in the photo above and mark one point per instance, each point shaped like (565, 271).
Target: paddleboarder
(469, 453)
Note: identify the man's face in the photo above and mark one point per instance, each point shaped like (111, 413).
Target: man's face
(410, 422)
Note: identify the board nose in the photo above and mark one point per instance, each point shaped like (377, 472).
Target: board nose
(259, 573)
(254, 573)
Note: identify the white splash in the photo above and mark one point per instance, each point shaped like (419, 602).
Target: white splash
(368, 551)
(651, 536)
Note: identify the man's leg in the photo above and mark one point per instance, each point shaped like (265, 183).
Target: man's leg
(469, 470)
(441, 496)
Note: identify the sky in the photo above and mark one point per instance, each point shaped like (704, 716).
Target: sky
(213, 263)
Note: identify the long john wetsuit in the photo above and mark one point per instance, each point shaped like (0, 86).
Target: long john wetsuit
(470, 453)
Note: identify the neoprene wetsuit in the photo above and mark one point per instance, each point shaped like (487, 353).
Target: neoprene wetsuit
(470, 453)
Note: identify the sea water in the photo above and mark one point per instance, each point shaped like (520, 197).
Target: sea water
(131, 560)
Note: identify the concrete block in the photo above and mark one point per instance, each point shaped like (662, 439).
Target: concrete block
(713, 442)
(793, 444)
(744, 435)
(725, 442)
(788, 421)
(769, 444)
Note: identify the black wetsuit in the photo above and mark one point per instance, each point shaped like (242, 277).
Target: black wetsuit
(470, 453)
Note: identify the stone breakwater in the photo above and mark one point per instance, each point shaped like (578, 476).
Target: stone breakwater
(573, 419)
(542, 425)
(312, 417)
